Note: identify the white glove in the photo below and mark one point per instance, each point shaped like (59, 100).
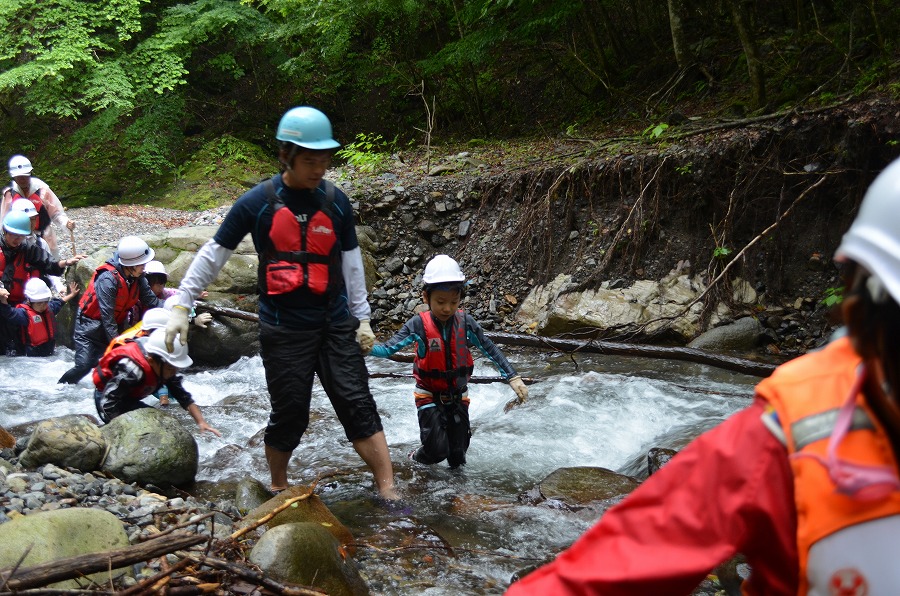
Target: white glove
(365, 336)
(202, 320)
(177, 326)
(519, 387)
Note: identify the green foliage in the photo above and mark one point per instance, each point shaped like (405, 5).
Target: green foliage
(655, 131)
(685, 169)
(833, 296)
(368, 152)
(721, 252)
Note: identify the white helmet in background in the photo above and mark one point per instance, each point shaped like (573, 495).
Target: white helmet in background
(25, 206)
(873, 239)
(36, 290)
(156, 344)
(442, 269)
(155, 267)
(19, 165)
(133, 251)
(155, 318)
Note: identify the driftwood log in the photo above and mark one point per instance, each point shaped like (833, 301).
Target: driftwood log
(592, 346)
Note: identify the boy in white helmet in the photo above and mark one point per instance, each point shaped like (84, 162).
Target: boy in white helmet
(443, 363)
(135, 369)
(116, 286)
(25, 186)
(35, 318)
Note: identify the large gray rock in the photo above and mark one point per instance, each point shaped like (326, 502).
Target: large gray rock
(741, 336)
(583, 485)
(307, 554)
(67, 441)
(53, 535)
(150, 446)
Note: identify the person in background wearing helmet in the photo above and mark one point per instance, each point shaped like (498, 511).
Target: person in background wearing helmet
(21, 260)
(313, 307)
(35, 318)
(156, 275)
(45, 201)
(155, 318)
(116, 286)
(135, 369)
(443, 364)
(804, 482)
(27, 207)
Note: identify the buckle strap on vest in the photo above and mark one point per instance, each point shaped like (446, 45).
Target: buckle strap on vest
(815, 427)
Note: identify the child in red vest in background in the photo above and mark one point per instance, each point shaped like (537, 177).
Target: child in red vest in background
(35, 318)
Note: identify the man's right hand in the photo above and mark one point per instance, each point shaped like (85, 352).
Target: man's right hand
(177, 326)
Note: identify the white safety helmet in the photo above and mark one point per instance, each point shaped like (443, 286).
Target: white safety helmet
(156, 344)
(19, 165)
(36, 290)
(155, 318)
(25, 206)
(442, 269)
(133, 251)
(873, 239)
(155, 267)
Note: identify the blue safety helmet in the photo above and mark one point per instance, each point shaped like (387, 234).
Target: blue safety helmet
(17, 222)
(306, 127)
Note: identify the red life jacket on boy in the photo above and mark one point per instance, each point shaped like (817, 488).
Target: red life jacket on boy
(126, 297)
(133, 350)
(40, 328)
(445, 368)
(303, 252)
(16, 274)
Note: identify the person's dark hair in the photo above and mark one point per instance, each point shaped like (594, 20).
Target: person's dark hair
(454, 286)
(156, 278)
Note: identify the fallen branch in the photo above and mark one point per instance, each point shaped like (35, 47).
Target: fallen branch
(78, 566)
(251, 575)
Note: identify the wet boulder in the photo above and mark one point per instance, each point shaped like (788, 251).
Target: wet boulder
(657, 457)
(70, 441)
(306, 553)
(7, 441)
(584, 485)
(150, 446)
(53, 535)
(250, 493)
(310, 509)
(743, 335)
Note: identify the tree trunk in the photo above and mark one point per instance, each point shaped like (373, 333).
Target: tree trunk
(754, 64)
(683, 55)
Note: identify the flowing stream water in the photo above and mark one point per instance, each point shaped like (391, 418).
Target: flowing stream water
(465, 531)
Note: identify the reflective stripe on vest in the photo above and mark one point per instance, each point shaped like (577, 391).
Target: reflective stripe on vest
(804, 395)
(445, 368)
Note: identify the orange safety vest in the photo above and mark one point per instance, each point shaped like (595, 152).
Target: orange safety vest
(126, 297)
(445, 368)
(840, 539)
(40, 328)
(303, 251)
(133, 332)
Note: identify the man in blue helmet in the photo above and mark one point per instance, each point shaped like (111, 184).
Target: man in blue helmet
(313, 305)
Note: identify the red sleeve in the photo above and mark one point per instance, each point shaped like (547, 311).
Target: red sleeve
(729, 491)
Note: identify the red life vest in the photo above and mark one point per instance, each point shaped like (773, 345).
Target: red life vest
(445, 368)
(133, 350)
(43, 215)
(15, 275)
(303, 252)
(40, 328)
(126, 296)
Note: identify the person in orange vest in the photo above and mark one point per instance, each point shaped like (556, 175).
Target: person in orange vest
(804, 482)
(135, 369)
(49, 208)
(155, 318)
(116, 286)
(36, 317)
(443, 364)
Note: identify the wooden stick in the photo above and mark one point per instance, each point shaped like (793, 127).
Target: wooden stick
(72, 237)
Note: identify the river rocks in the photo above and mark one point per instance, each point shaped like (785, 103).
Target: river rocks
(7, 441)
(69, 442)
(150, 446)
(307, 554)
(52, 535)
(657, 457)
(311, 509)
(250, 493)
